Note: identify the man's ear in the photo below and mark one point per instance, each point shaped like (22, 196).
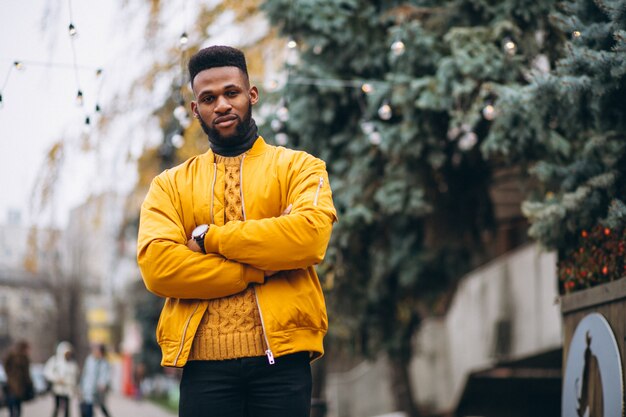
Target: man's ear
(194, 107)
(254, 95)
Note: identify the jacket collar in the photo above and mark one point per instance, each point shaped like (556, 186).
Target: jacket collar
(258, 148)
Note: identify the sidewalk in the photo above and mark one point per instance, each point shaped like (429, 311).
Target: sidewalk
(119, 406)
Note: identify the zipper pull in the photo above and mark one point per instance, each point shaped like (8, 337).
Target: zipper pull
(270, 357)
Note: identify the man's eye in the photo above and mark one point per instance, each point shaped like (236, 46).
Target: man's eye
(208, 99)
(231, 93)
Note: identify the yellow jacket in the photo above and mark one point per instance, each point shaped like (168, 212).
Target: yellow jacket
(291, 303)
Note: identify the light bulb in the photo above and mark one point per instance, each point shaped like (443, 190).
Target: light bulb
(489, 112)
(368, 127)
(276, 125)
(283, 114)
(367, 88)
(72, 29)
(292, 44)
(509, 47)
(18, 65)
(180, 112)
(98, 109)
(282, 139)
(184, 39)
(576, 34)
(79, 98)
(317, 49)
(98, 72)
(271, 85)
(384, 112)
(398, 48)
(468, 141)
(375, 138)
(87, 120)
(178, 141)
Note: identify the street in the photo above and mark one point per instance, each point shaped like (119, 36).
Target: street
(119, 406)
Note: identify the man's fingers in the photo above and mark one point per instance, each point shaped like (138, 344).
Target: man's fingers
(287, 210)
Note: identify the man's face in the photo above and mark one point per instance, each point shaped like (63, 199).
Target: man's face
(224, 101)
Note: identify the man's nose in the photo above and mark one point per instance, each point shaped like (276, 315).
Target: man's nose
(222, 105)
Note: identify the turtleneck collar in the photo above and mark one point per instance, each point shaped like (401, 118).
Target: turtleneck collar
(235, 145)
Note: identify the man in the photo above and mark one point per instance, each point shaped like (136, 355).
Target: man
(231, 238)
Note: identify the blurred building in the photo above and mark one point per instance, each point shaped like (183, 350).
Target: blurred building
(98, 254)
(26, 306)
(26, 274)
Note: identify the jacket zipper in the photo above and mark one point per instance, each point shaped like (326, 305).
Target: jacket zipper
(268, 351)
(213, 190)
(182, 341)
(317, 193)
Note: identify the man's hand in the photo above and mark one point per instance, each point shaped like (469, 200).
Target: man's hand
(193, 245)
(284, 213)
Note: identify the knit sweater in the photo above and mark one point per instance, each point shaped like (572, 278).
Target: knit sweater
(231, 327)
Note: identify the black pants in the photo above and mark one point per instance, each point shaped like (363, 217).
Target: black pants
(248, 387)
(61, 402)
(14, 405)
(87, 409)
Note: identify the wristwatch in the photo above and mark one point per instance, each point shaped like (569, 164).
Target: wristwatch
(198, 235)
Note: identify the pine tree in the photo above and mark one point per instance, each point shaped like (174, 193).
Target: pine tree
(569, 126)
(397, 97)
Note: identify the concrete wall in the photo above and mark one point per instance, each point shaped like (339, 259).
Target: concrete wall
(506, 310)
(503, 311)
(364, 391)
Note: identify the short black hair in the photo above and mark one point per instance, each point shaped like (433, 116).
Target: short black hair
(216, 56)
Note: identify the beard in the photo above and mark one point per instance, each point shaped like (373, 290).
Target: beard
(240, 131)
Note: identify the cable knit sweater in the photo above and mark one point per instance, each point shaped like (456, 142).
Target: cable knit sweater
(231, 327)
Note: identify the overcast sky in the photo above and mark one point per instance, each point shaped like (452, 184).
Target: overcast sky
(38, 106)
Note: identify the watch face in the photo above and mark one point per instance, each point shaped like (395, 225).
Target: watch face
(199, 231)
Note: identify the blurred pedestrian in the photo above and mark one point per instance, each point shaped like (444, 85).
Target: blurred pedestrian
(61, 371)
(19, 383)
(95, 382)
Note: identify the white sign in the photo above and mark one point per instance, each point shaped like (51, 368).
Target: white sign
(593, 384)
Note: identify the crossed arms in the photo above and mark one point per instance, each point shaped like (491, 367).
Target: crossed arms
(238, 253)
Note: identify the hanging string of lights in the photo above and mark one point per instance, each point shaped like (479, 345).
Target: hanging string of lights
(74, 66)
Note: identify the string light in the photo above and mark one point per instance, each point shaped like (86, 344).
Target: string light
(180, 112)
(87, 120)
(282, 114)
(385, 112)
(18, 65)
(367, 88)
(292, 44)
(98, 109)
(317, 49)
(398, 48)
(282, 139)
(468, 141)
(178, 140)
(72, 30)
(367, 127)
(79, 98)
(576, 34)
(276, 125)
(1, 102)
(489, 112)
(271, 85)
(509, 47)
(375, 138)
(98, 72)
(183, 39)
